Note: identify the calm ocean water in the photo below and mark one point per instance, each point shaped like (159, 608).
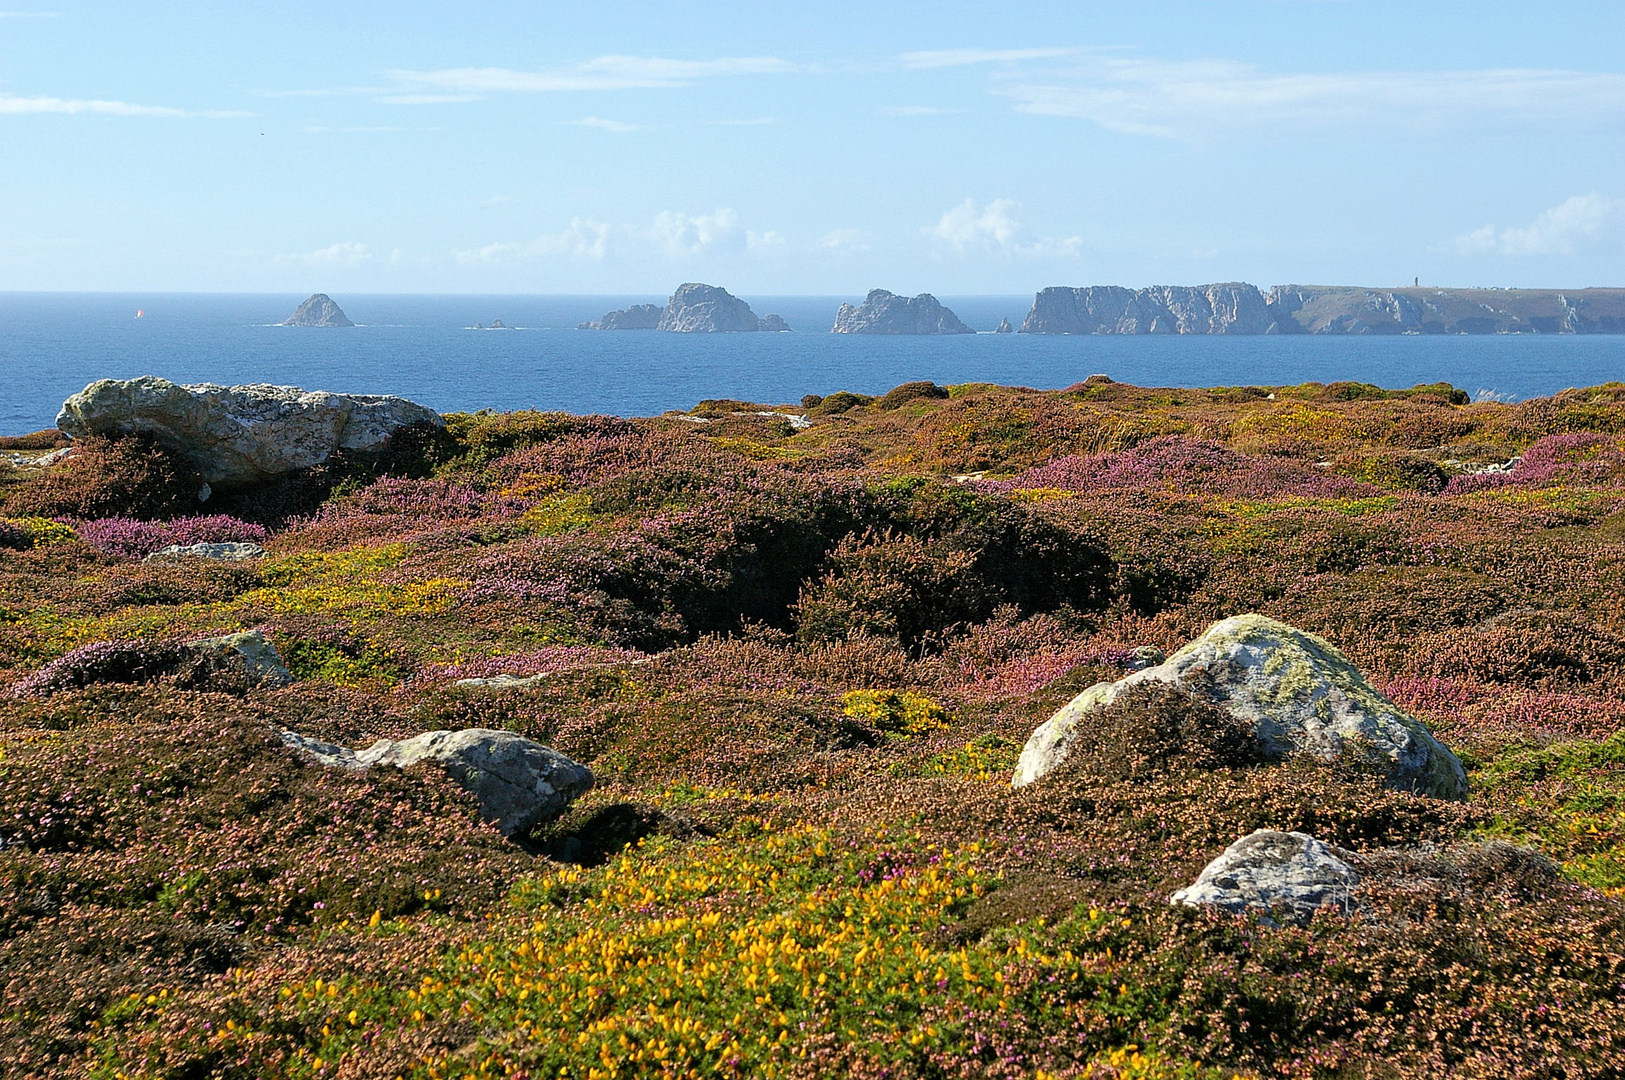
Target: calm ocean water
(420, 346)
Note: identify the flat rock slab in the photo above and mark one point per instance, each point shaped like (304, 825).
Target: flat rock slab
(1288, 873)
(226, 552)
(238, 435)
(517, 782)
(1296, 692)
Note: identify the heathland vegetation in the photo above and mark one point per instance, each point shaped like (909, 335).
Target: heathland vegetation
(801, 649)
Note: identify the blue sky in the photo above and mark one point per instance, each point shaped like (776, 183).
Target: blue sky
(808, 148)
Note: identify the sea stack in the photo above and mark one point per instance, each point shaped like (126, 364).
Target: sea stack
(884, 312)
(319, 310)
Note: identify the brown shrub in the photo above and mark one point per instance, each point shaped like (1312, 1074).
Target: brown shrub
(133, 476)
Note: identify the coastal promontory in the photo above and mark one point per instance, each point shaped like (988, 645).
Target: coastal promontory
(319, 310)
(885, 312)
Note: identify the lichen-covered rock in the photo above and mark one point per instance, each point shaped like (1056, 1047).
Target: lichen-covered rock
(518, 783)
(1288, 873)
(706, 309)
(1296, 692)
(224, 552)
(239, 435)
(319, 310)
(250, 653)
(885, 312)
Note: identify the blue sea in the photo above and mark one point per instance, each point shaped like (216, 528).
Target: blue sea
(424, 347)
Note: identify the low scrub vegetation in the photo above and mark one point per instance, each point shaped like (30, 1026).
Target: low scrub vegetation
(801, 662)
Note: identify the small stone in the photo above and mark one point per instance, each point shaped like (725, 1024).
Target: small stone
(1289, 873)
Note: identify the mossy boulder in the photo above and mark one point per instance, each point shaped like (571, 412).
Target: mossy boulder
(1295, 691)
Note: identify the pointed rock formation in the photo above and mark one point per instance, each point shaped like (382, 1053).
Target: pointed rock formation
(319, 310)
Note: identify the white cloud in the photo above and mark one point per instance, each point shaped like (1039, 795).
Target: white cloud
(845, 241)
(1197, 97)
(684, 234)
(763, 241)
(965, 57)
(584, 239)
(1580, 223)
(601, 73)
(425, 99)
(13, 106)
(993, 228)
(346, 254)
(606, 125)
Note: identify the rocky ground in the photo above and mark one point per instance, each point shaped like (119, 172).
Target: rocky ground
(801, 651)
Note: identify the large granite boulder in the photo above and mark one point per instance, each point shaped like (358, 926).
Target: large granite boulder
(518, 783)
(319, 310)
(239, 435)
(1287, 873)
(706, 309)
(883, 312)
(1295, 691)
(636, 317)
(230, 551)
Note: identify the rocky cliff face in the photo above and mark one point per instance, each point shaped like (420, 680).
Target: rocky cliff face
(319, 310)
(636, 317)
(1239, 308)
(1317, 309)
(701, 309)
(883, 312)
(1230, 308)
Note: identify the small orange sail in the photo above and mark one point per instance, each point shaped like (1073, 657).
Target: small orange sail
(140, 314)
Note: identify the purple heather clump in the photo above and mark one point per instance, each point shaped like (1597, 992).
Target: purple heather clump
(1571, 458)
(1181, 465)
(128, 538)
(550, 660)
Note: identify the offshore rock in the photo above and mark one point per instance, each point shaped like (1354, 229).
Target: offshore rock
(1228, 308)
(772, 324)
(636, 317)
(706, 309)
(1296, 692)
(239, 435)
(883, 312)
(319, 310)
(1289, 873)
(1004, 326)
(518, 783)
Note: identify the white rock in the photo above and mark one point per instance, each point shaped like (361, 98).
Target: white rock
(1297, 692)
(227, 552)
(517, 782)
(251, 652)
(1289, 872)
(242, 434)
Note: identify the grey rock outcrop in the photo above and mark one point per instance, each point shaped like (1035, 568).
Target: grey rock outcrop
(1296, 692)
(224, 552)
(772, 324)
(518, 783)
(1228, 308)
(1288, 873)
(636, 317)
(1004, 326)
(706, 309)
(319, 310)
(238, 435)
(249, 654)
(883, 312)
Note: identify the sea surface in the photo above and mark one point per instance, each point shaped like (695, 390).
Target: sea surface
(424, 347)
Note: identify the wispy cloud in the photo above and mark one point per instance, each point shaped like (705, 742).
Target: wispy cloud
(916, 110)
(691, 234)
(600, 73)
(584, 239)
(845, 241)
(345, 254)
(14, 106)
(606, 125)
(425, 99)
(755, 121)
(965, 57)
(993, 229)
(1576, 225)
(674, 234)
(1195, 98)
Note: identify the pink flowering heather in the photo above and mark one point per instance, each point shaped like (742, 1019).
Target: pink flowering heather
(127, 538)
